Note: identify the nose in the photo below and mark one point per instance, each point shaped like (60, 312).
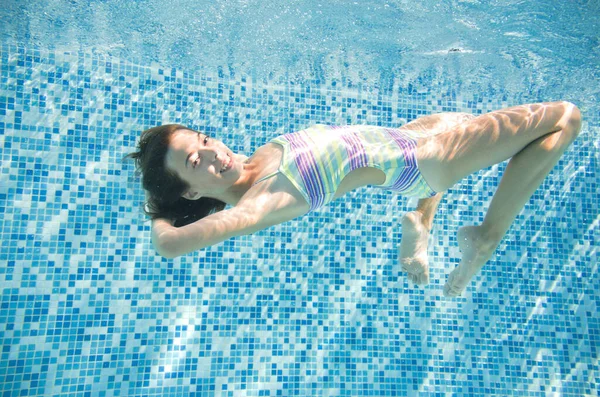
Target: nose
(214, 155)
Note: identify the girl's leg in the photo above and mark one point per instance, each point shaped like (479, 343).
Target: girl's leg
(535, 136)
(417, 224)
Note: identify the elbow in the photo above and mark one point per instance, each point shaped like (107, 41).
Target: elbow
(165, 253)
(166, 245)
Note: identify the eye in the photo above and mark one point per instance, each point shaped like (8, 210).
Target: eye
(206, 138)
(197, 161)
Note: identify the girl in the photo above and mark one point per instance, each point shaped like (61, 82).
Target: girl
(190, 177)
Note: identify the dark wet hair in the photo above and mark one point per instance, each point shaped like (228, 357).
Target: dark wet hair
(164, 186)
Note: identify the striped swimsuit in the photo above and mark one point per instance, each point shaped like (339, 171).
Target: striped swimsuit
(317, 159)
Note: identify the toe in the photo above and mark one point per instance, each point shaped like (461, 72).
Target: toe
(450, 289)
(421, 279)
(449, 292)
(413, 278)
(418, 278)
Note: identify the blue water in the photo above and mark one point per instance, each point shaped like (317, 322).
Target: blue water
(316, 306)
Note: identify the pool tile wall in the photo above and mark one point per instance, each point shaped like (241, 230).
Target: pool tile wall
(314, 307)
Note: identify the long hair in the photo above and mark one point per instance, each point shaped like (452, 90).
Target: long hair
(164, 187)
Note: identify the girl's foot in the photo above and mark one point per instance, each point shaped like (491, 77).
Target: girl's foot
(476, 251)
(413, 248)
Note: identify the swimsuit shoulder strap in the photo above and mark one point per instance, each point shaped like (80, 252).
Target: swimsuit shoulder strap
(272, 174)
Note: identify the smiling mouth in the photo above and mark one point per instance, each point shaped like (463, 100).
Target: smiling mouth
(227, 165)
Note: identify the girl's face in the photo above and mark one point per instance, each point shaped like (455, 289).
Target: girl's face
(206, 164)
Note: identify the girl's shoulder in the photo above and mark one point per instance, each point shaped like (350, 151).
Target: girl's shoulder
(275, 199)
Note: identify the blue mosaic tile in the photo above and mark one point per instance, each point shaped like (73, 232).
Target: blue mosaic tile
(313, 307)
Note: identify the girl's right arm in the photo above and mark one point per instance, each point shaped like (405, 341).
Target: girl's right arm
(245, 218)
(161, 230)
(171, 242)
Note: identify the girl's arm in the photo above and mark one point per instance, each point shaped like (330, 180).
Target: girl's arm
(161, 231)
(256, 215)
(171, 242)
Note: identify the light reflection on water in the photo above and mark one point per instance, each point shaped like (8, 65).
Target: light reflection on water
(518, 47)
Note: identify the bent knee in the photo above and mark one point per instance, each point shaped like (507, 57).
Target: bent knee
(575, 119)
(570, 122)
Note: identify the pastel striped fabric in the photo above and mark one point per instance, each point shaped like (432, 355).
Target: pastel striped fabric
(317, 159)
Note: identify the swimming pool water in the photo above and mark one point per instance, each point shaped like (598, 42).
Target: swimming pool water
(313, 307)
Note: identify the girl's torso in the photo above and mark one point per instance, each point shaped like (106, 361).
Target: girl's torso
(309, 168)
